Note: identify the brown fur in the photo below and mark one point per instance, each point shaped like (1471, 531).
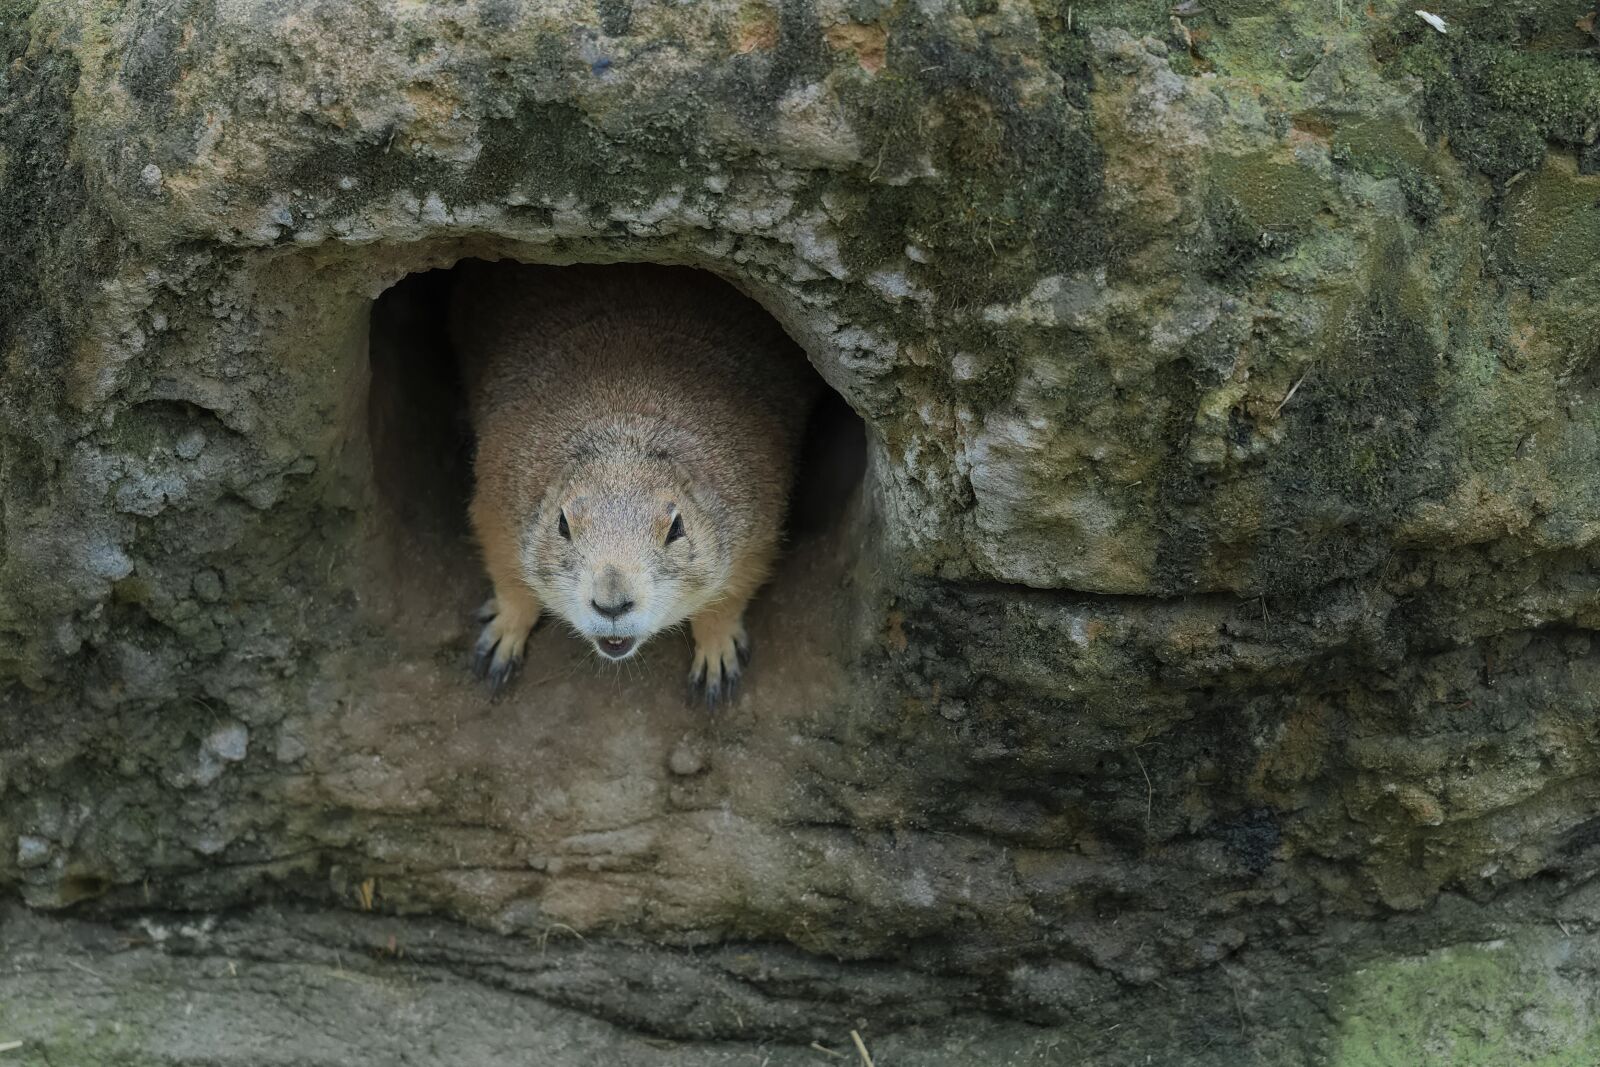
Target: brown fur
(614, 398)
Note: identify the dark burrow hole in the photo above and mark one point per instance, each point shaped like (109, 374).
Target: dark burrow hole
(421, 445)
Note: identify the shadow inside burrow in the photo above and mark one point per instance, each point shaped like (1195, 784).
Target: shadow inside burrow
(428, 576)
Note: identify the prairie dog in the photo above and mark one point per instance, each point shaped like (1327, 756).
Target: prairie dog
(636, 437)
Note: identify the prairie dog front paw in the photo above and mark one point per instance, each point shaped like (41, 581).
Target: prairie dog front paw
(721, 649)
(503, 640)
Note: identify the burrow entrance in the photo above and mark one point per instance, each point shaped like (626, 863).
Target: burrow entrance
(421, 444)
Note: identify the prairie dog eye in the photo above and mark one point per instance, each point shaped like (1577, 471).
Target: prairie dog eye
(677, 529)
(562, 528)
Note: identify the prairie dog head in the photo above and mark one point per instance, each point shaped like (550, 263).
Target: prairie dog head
(621, 550)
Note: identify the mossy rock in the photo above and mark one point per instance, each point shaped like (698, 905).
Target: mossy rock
(1552, 224)
(1488, 1005)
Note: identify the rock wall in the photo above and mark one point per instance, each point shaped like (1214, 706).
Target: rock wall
(1204, 667)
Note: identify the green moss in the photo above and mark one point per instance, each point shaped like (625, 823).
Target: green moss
(1182, 489)
(1066, 51)
(1239, 9)
(1498, 101)
(1560, 94)
(1273, 196)
(1022, 178)
(15, 29)
(42, 191)
(1552, 224)
(1500, 145)
(1261, 45)
(1540, 24)
(551, 147)
(1353, 456)
(1475, 1006)
(615, 16)
(1136, 16)
(122, 1044)
(55, 251)
(1383, 147)
(755, 81)
(555, 148)
(1257, 206)
(1425, 199)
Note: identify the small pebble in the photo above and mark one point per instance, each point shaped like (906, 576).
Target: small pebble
(229, 742)
(290, 747)
(207, 585)
(109, 562)
(191, 444)
(32, 851)
(685, 760)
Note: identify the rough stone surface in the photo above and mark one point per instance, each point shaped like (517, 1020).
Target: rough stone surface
(1205, 670)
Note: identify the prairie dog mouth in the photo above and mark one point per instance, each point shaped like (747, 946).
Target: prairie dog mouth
(615, 647)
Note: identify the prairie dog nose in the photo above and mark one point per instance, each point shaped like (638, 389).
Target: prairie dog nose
(611, 596)
(612, 611)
